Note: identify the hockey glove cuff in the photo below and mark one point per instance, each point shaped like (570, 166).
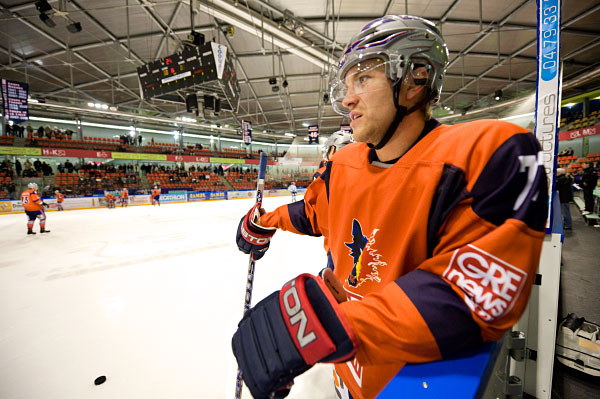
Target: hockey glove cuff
(286, 333)
(45, 205)
(252, 238)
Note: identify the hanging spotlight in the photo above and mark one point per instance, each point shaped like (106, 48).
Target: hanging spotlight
(47, 21)
(75, 27)
(43, 6)
(273, 80)
(284, 84)
(497, 95)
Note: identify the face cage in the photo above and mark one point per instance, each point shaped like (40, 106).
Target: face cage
(338, 89)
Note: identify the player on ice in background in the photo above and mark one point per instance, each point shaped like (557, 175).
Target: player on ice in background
(156, 196)
(33, 205)
(333, 144)
(124, 198)
(294, 190)
(59, 200)
(110, 200)
(435, 231)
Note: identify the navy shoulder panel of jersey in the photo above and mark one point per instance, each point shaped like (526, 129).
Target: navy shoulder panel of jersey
(451, 189)
(513, 184)
(326, 175)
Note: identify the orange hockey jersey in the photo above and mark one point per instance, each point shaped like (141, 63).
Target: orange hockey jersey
(124, 194)
(31, 200)
(60, 197)
(437, 251)
(155, 192)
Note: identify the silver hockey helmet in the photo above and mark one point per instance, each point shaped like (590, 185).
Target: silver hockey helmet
(337, 140)
(399, 43)
(33, 186)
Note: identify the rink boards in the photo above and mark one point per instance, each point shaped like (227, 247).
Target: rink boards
(15, 206)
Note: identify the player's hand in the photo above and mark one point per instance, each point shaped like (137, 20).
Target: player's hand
(45, 205)
(252, 238)
(335, 286)
(298, 326)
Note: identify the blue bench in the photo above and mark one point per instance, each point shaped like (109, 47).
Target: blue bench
(465, 377)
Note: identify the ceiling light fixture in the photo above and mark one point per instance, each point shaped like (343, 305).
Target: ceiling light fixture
(47, 21)
(75, 27)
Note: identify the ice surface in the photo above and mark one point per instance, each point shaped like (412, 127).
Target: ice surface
(147, 296)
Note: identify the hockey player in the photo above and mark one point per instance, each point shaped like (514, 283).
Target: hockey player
(156, 196)
(110, 200)
(124, 198)
(59, 200)
(34, 208)
(333, 144)
(294, 190)
(435, 231)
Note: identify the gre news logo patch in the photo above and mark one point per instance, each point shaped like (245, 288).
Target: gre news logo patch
(491, 285)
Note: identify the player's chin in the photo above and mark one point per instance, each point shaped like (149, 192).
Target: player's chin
(361, 134)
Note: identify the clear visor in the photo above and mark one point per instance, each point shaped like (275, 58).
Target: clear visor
(364, 77)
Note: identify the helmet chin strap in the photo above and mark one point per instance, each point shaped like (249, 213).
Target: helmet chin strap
(401, 112)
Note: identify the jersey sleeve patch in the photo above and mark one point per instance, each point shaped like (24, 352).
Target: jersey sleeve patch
(445, 313)
(300, 220)
(491, 285)
(513, 184)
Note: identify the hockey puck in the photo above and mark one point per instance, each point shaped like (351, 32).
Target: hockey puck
(100, 380)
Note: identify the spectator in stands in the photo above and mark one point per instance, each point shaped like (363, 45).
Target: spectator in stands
(29, 130)
(589, 180)
(18, 167)
(37, 165)
(46, 169)
(564, 186)
(40, 132)
(48, 132)
(139, 140)
(69, 166)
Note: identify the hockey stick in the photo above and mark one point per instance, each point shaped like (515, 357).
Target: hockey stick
(260, 185)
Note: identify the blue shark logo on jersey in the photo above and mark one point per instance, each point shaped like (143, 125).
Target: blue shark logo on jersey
(356, 248)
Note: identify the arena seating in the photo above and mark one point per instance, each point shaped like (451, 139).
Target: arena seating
(572, 164)
(197, 180)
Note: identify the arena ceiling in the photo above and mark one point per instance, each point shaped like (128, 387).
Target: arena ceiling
(492, 48)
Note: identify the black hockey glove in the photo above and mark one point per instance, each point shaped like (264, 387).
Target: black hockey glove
(289, 331)
(252, 238)
(45, 205)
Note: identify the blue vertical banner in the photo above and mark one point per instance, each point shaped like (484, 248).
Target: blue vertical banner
(313, 134)
(548, 91)
(247, 132)
(15, 106)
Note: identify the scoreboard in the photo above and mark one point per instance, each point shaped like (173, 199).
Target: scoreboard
(207, 63)
(176, 72)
